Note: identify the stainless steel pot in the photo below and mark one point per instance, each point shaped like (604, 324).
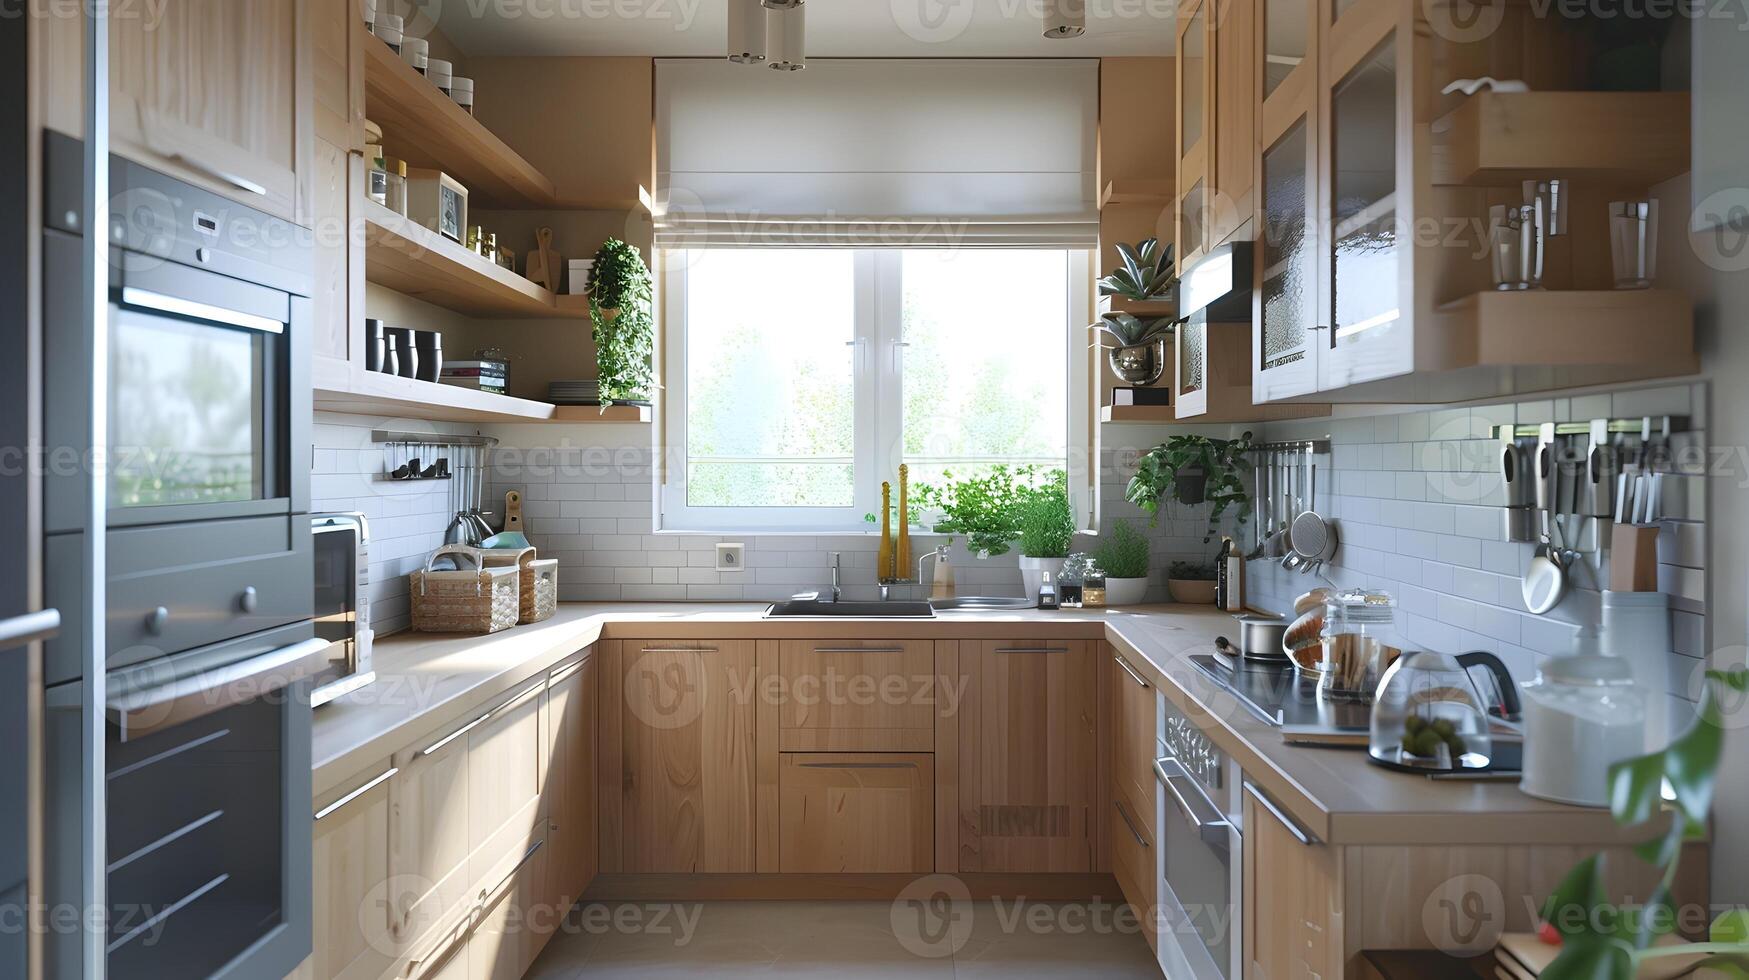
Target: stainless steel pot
(1141, 365)
(1260, 636)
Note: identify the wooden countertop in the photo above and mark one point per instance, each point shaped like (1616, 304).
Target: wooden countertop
(426, 682)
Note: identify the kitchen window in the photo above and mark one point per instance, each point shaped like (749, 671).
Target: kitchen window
(797, 380)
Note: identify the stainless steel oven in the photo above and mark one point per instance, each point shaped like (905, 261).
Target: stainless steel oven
(1201, 853)
(342, 597)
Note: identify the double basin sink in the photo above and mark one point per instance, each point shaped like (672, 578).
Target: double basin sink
(891, 609)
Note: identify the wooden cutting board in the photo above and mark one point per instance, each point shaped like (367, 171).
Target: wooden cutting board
(513, 510)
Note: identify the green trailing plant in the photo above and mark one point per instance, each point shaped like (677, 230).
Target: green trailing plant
(1124, 552)
(1603, 941)
(1146, 272)
(1194, 469)
(1046, 524)
(1129, 330)
(1191, 571)
(620, 293)
(986, 509)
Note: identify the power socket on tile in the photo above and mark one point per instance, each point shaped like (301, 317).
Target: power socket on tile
(731, 557)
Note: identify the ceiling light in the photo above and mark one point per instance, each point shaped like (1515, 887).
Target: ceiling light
(1063, 18)
(782, 4)
(784, 38)
(746, 32)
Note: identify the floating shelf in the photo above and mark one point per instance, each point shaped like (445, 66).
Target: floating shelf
(1501, 138)
(427, 129)
(389, 396)
(1138, 191)
(1150, 414)
(1118, 304)
(410, 258)
(1648, 330)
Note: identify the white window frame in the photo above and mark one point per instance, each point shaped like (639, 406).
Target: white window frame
(879, 404)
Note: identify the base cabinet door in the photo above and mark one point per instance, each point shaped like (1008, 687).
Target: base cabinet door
(506, 764)
(428, 839)
(1133, 731)
(1290, 898)
(677, 757)
(570, 782)
(353, 939)
(1030, 769)
(856, 813)
(513, 923)
(856, 696)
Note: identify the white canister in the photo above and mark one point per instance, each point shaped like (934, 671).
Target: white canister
(578, 275)
(389, 31)
(1636, 628)
(416, 51)
(439, 72)
(1582, 714)
(461, 89)
(369, 9)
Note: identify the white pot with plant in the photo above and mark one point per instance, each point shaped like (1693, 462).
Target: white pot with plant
(1046, 527)
(1123, 556)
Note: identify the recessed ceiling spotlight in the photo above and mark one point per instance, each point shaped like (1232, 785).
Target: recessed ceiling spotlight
(782, 4)
(1063, 18)
(785, 35)
(746, 32)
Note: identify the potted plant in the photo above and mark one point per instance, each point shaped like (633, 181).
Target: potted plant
(1046, 527)
(1190, 582)
(1137, 345)
(986, 509)
(1123, 556)
(1147, 273)
(619, 311)
(1194, 470)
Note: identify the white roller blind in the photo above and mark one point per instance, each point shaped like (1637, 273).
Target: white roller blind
(870, 153)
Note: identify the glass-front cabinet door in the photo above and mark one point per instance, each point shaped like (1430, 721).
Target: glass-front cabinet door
(1363, 257)
(1193, 65)
(1285, 298)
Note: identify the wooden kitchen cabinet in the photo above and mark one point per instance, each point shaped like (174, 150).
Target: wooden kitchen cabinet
(220, 93)
(1029, 756)
(1292, 902)
(512, 925)
(572, 830)
(507, 761)
(338, 186)
(856, 813)
(428, 837)
(353, 927)
(1133, 729)
(676, 756)
(1217, 146)
(856, 696)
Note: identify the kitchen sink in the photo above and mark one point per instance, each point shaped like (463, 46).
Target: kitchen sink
(896, 609)
(982, 602)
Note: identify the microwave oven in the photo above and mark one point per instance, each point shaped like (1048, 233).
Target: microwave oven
(341, 557)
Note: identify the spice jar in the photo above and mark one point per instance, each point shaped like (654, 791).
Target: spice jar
(377, 187)
(1071, 579)
(394, 185)
(1360, 644)
(416, 51)
(461, 89)
(440, 72)
(388, 29)
(476, 239)
(1093, 587)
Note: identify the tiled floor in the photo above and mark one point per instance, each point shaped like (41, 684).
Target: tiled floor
(846, 941)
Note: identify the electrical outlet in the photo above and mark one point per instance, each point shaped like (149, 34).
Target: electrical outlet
(731, 557)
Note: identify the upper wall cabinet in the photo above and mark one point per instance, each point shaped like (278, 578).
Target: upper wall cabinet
(1374, 278)
(220, 94)
(1217, 132)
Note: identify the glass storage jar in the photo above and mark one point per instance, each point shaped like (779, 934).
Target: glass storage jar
(1429, 715)
(1360, 644)
(1071, 579)
(1093, 586)
(395, 185)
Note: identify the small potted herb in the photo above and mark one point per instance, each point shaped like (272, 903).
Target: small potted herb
(1194, 470)
(1124, 557)
(1046, 528)
(1192, 583)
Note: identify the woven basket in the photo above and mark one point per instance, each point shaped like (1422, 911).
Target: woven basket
(474, 599)
(538, 580)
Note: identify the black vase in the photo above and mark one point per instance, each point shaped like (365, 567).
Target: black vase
(374, 344)
(429, 344)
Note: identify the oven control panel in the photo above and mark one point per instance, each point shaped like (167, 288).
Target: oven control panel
(1194, 750)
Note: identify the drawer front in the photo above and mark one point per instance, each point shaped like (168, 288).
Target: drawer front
(1133, 729)
(1133, 863)
(867, 696)
(856, 813)
(506, 757)
(353, 930)
(213, 582)
(428, 840)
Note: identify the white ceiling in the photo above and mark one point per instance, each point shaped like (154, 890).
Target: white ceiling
(835, 28)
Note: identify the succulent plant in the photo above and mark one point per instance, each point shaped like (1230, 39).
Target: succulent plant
(1146, 274)
(1128, 330)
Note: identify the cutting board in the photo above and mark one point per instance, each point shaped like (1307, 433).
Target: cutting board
(513, 510)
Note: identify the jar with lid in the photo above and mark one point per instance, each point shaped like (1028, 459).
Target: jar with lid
(1360, 644)
(1582, 714)
(394, 184)
(1093, 586)
(1071, 579)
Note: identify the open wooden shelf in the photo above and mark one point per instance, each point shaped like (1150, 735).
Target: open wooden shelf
(361, 392)
(410, 258)
(1150, 414)
(1651, 330)
(1143, 308)
(1501, 138)
(427, 129)
(1137, 191)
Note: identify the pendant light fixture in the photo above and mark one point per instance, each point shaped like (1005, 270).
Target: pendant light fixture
(785, 36)
(746, 32)
(1065, 18)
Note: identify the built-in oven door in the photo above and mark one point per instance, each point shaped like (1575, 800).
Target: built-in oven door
(1199, 903)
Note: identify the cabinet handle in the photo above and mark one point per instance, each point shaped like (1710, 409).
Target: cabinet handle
(1131, 824)
(1293, 826)
(680, 649)
(1032, 649)
(488, 716)
(859, 649)
(355, 794)
(1125, 664)
(566, 671)
(486, 893)
(1169, 772)
(857, 765)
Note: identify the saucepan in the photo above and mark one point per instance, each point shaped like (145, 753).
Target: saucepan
(1259, 636)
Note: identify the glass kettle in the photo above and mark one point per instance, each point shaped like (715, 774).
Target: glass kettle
(1429, 716)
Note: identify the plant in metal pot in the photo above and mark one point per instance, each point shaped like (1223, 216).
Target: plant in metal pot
(1194, 470)
(1603, 941)
(1146, 273)
(620, 293)
(1046, 526)
(1191, 582)
(1123, 556)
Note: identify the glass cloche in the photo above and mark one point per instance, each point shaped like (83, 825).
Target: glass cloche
(1428, 715)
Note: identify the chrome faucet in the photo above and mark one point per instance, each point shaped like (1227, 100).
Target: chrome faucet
(837, 593)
